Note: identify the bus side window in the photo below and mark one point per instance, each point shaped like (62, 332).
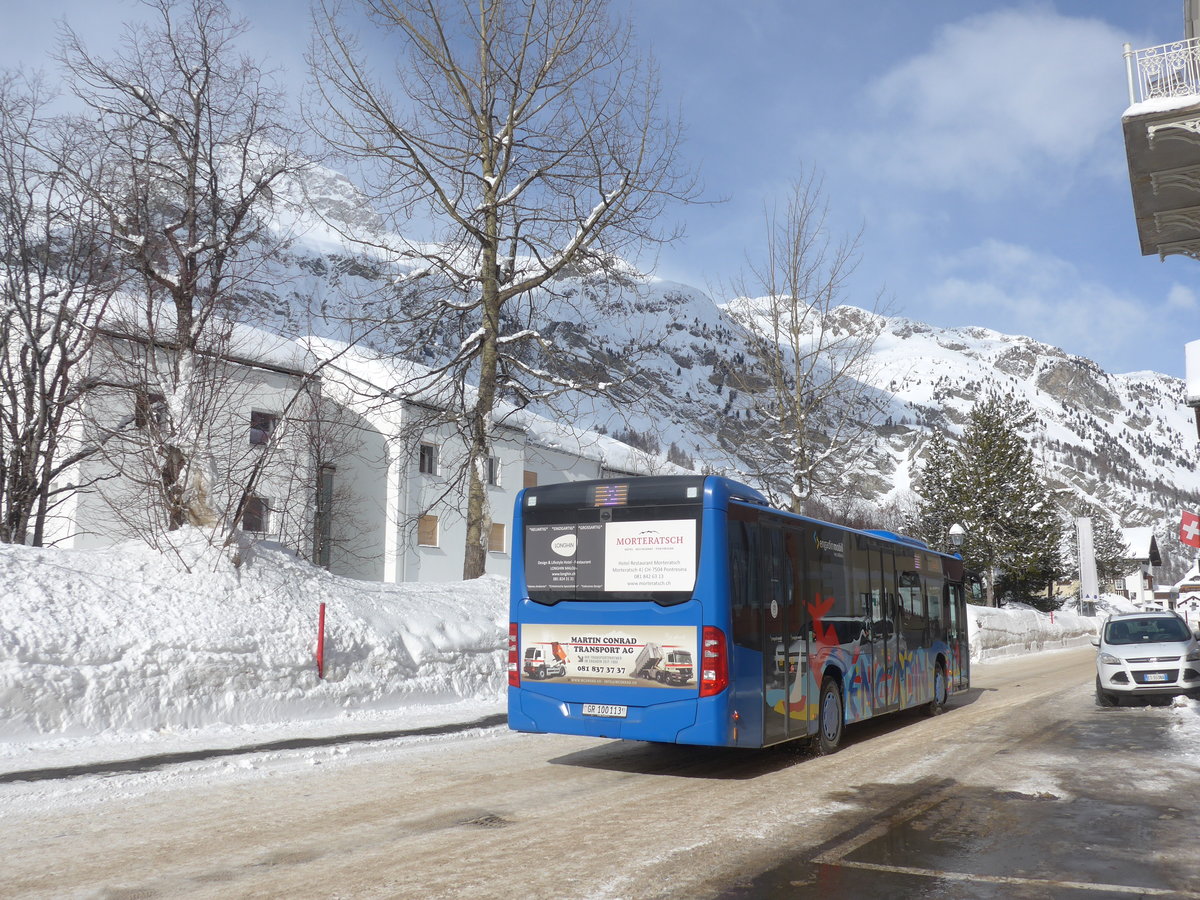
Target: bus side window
(739, 564)
(745, 583)
(912, 608)
(934, 600)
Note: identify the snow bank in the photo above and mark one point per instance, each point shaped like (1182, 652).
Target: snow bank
(131, 641)
(1009, 632)
(128, 639)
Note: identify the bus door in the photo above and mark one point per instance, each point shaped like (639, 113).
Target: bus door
(956, 637)
(769, 644)
(782, 652)
(885, 632)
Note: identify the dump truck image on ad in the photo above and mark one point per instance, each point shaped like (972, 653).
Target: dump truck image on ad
(546, 660)
(647, 659)
(665, 666)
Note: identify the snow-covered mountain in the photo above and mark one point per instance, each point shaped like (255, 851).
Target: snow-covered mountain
(1124, 443)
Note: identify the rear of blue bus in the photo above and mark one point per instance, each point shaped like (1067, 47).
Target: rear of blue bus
(620, 584)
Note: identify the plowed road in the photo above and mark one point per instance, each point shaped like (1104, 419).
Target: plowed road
(1022, 788)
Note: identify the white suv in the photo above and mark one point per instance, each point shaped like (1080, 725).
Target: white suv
(1151, 654)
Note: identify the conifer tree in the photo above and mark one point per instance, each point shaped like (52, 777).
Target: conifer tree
(1108, 546)
(1013, 531)
(937, 509)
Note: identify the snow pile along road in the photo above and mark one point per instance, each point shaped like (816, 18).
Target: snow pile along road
(132, 640)
(1010, 632)
(129, 641)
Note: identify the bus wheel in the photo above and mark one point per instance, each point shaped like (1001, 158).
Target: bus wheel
(829, 725)
(940, 686)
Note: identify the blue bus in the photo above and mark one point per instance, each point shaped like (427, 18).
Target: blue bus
(685, 609)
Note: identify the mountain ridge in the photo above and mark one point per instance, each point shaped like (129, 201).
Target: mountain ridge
(1123, 443)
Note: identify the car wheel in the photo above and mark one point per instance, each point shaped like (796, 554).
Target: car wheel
(940, 686)
(1103, 697)
(830, 719)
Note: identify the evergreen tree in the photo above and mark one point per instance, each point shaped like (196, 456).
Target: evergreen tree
(1112, 555)
(934, 484)
(1013, 531)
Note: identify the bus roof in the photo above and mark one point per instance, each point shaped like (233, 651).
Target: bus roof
(652, 490)
(641, 491)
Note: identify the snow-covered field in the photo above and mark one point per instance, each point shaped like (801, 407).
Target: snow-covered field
(102, 649)
(124, 652)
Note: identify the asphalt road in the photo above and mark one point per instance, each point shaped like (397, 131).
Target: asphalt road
(1023, 788)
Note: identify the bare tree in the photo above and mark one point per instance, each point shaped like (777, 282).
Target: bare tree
(55, 282)
(525, 146)
(808, 406)
(197, 139)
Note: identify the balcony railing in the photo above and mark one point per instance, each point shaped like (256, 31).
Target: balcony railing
(1168, 70)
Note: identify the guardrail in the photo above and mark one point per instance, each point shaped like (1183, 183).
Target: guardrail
(1168, 70)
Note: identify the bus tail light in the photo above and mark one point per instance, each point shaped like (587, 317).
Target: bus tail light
(714, 662)
(514, 656)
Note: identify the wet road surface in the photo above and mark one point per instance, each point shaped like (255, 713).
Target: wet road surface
(1121, 820)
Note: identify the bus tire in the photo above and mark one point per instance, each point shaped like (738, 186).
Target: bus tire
(830, 718)
(941, 689)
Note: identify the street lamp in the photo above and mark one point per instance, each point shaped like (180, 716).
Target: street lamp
(957, 533)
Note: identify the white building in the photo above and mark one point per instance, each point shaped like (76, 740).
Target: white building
(1143, 554)
(1187, 590)
(358, 461)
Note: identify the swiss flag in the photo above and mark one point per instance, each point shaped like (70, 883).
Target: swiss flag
(1189, 529)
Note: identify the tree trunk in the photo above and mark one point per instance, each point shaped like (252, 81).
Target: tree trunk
(479, 449)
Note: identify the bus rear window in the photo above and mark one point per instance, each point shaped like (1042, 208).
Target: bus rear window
(622, 553)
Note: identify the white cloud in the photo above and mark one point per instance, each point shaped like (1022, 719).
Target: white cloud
(1016, 290)
(996, 99)
(1181, 298)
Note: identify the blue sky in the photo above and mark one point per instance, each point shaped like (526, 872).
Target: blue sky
(978, 145)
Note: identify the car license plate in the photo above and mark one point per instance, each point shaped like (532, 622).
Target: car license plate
(1155, 676)
(604, 709)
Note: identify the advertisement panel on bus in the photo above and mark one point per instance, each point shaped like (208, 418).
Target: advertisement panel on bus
(611, 556)
(632, 656)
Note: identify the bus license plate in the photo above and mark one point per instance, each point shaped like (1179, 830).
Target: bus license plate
(606, 710)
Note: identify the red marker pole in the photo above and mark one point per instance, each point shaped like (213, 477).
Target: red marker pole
(321, 644)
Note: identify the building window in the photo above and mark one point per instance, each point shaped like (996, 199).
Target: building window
(496, 538)
(262, 426)
(428, 459)
(256, 517)
(149, 409)
(493, 471)
(427, 531)
(530, 478)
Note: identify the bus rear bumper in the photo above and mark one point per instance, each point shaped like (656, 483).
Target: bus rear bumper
(667, 722)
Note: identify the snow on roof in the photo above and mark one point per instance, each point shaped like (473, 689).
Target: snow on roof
(1140, 542)
(560, 435)
(1192, 578)
(241, 343)
(401, 379)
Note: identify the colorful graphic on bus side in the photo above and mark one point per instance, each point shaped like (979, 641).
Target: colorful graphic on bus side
(646, 656)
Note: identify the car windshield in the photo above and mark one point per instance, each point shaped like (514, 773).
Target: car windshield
(1151, 630)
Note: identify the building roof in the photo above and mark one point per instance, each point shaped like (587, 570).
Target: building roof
(1142, 545)
(1190, 581)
